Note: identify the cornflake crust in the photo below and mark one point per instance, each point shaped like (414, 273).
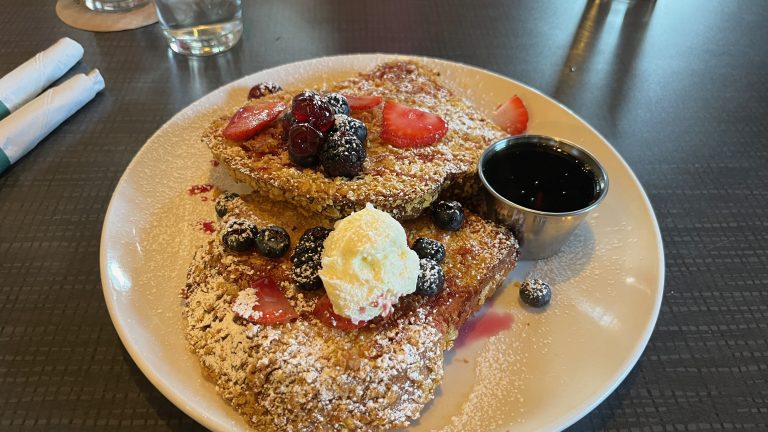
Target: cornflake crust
(303, 375)
(399, 181)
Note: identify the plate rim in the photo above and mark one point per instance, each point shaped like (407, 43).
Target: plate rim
(174, 397)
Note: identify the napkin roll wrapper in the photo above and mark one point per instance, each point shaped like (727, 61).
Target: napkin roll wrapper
(22, 130)
(27, 81)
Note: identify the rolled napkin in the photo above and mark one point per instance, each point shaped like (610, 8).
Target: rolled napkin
(21, 131)
(27, 81)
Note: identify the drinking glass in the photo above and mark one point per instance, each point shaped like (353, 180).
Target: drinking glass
(200, 27)
(114, 5)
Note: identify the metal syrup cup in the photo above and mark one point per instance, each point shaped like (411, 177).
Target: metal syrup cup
(541, 234)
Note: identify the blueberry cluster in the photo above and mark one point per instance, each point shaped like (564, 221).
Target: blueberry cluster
(306, 258)
(243, 236)
(319, 131)
(431, 254)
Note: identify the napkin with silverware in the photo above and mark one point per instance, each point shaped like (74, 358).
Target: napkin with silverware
(31, 121)
(27, 81)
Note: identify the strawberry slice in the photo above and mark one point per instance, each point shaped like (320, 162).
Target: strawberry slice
(251, 119)
(359, 103)
(403, 126)
(511, 116)
(263, 303)
(324, 312)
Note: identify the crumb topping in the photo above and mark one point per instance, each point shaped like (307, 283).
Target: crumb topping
(303, 375)
(399, 181)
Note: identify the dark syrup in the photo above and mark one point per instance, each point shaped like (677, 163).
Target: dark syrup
(541, 178)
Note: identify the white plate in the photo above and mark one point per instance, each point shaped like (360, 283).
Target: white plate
(544, 373)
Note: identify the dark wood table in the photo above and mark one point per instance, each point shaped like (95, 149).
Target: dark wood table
(680, 88)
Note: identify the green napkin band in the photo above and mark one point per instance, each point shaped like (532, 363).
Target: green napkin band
(4, 111)
(4, 161)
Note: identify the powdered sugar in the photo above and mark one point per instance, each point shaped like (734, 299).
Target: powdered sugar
(160, 254)
(505, 368)
(245, 305)
(480, 411)
(377, 377)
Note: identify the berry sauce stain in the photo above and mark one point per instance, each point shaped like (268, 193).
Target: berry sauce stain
(483, 326)
(198, 189)
(214, 163)
(206, 226)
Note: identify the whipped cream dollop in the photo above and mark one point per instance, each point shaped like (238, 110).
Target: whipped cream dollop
(367, 265)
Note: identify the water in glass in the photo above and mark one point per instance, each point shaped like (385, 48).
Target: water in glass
(114, 5)
(200, 27)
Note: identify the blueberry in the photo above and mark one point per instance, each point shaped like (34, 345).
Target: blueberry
(222, 203)
(272, 241)
(263, 89)
(338, 103)
(535, 292)
(430, 249)
(304, 144)
(307, 258)
(239, 236)
(221, 208)
(346, 123)
(343, 155)
(229, 196)
(431, 279)
(448, 215)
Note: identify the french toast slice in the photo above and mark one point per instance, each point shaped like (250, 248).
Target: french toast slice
(400, 181)
(304, 375)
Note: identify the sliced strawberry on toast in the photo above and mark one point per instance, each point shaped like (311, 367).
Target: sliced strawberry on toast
(360, 103)
(511, 116)
(404, 126)
(400, 182)
(305, 375)
(251, 119)
(263, 303)
(324, 312)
